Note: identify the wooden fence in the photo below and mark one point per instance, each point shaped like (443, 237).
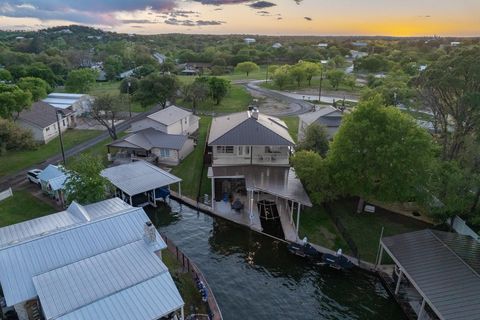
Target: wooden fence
(6, 194)
(195, 272)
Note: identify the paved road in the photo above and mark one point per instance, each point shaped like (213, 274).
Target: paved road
(304, 106)
(19, 178)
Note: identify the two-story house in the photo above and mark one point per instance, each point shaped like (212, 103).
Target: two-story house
(171, 120)
(250, 170)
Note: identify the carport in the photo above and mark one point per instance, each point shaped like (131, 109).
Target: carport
(141, 183)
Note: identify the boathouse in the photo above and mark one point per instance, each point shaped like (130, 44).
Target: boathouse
(437, 274)
(100, 261)
(141, 183)
(252, 181)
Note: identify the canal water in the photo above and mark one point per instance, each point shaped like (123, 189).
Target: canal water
(254, 276)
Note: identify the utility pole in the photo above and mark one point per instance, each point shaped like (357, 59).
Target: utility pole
(320, 88)
(57, 112)
(128, 95)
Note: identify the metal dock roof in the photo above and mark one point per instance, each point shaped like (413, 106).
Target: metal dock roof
(138, 177)
(73, 291)
(20, 262)
(444, 268)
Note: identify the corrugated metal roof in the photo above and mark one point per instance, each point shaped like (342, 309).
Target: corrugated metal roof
(50, 172)
(154, 299)
(150, 138)
(138, 177)
(444, 267)
(323, 112)
(20, 262)
(170, 115)
(75, 214)
(279, 181)
(243, 129)
(77, 285)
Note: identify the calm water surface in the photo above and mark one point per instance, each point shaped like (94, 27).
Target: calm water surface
(254, 277)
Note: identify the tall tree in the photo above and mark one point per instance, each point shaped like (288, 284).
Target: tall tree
(81, 80)
(106, 109)
(85, 185)
(39, 88)
(113, 65)
(381, 153)
(450, 87)
(13, 100)
(311, 69)
(218, 88)
(196, 92)
(298, 73)
(335, 77)
(156, 88)
(247, 67)
(13, 137)
(316, 139)
(281, 77)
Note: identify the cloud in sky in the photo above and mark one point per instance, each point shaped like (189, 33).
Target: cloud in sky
(192, 23)
(308, 18)
(81, 11)
(262, 5)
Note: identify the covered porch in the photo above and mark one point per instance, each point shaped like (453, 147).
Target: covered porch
(256, 195)
(141, 183)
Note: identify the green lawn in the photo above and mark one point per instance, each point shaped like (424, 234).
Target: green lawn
(21, 207)
(257, 75)
(191, 167)
(314, 85)
(236, 100)
(185, 284)
(317, 226)
(292, 123)
(365, 228)
(14, 161)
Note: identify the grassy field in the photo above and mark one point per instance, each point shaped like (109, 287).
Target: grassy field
(317, 226)
(14, 161)
(113, 87)
(22, 206)
(326, 85)
(365, 228)
(292, 123)
(236, 100)
(191, 167)
(257, 75)
(185, 284)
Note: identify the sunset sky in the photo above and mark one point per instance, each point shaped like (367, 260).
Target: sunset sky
(272, 17)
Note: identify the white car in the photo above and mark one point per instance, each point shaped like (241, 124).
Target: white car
(32, 176)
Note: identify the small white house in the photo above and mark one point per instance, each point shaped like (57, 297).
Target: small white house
(277, 45)
(41, 119)
(161, 58)
(249, 40)
(171, 120)
(455, 43)
(322, 45)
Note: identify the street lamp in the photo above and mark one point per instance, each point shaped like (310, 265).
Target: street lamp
(57, 113)
(323, 62)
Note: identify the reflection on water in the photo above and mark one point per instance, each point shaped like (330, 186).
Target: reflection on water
(254, 277)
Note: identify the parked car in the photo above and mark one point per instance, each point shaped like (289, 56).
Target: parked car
(32, 176)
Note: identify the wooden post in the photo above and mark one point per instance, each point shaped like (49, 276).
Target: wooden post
(298, 218)
(397, 288)
(180, 189)
(131, 200)
(422, 308)
(213, 194)
(182, 314)
(291, 211)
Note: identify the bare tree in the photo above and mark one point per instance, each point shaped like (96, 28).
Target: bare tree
(106, 110)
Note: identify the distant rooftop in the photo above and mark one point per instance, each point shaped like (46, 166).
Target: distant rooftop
(169, 115)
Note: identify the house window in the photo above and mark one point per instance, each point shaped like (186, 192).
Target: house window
(240, 150)
(63, 121)
(165, 153)
(273, 149)
(47, 129)
(225, 149)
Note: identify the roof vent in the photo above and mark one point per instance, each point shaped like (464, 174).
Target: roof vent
(149, 233)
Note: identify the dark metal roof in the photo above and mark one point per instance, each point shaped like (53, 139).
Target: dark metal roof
(444, 267)
(243, 129)
(279, 181)
(41, 114)
(150, 138)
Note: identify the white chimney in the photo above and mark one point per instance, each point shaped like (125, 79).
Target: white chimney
(149, 233)
(255, 113)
